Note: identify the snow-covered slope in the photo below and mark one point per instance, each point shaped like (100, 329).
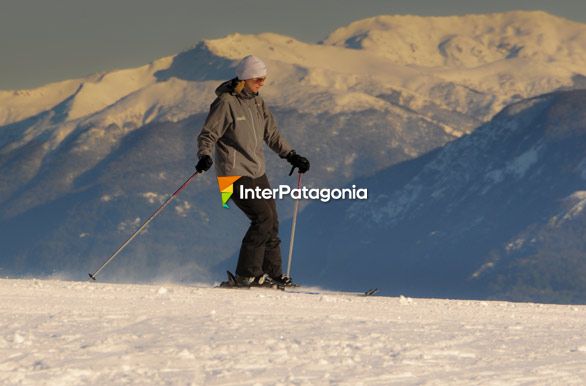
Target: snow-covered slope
(56, 332)
(84, 161)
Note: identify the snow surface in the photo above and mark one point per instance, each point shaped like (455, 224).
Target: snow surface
(58, 332)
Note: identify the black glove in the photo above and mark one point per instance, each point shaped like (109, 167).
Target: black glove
(204, 164)
(297, 161)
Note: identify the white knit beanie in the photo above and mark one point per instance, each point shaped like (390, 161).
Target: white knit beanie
(251, 67)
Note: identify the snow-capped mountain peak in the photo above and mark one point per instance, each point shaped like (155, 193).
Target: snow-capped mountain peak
(466, 41)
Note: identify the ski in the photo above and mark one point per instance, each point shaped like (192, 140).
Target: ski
(231, 283)
(371, 292)
(300, 290)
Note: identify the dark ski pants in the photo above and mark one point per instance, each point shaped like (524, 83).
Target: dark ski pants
(261, 247)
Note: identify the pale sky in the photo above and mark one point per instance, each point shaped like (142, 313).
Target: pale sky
(44, 41)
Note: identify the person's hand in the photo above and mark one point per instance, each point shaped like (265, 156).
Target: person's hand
(204, 164)
(298, 161)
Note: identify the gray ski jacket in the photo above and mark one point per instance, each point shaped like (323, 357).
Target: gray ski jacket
(237, 125)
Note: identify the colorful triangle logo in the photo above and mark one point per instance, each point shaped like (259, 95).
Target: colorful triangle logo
(226, 185)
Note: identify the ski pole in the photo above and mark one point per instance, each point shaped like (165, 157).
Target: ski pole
(295, 211)
(151, 218)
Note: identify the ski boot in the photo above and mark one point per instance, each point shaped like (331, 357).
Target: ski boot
(237, 281)
(284, 281)
(261, 281)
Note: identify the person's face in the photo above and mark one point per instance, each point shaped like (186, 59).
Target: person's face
(254, 84)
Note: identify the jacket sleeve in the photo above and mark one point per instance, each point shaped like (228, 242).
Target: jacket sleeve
(272, 135)
(216, 124)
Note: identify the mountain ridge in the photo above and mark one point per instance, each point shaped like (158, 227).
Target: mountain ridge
(459, 219)
(487, 37)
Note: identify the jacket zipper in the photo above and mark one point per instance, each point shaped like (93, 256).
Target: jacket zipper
(254, 133)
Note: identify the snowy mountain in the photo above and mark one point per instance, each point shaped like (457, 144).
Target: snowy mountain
(83, 162)
(497, 213)
(59, 332)
(465, 42)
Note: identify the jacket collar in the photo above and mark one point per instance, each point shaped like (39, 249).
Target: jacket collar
(229, 87)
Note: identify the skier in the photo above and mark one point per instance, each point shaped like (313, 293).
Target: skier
(236, 125)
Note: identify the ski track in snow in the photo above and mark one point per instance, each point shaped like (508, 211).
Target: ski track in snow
(61, 333)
